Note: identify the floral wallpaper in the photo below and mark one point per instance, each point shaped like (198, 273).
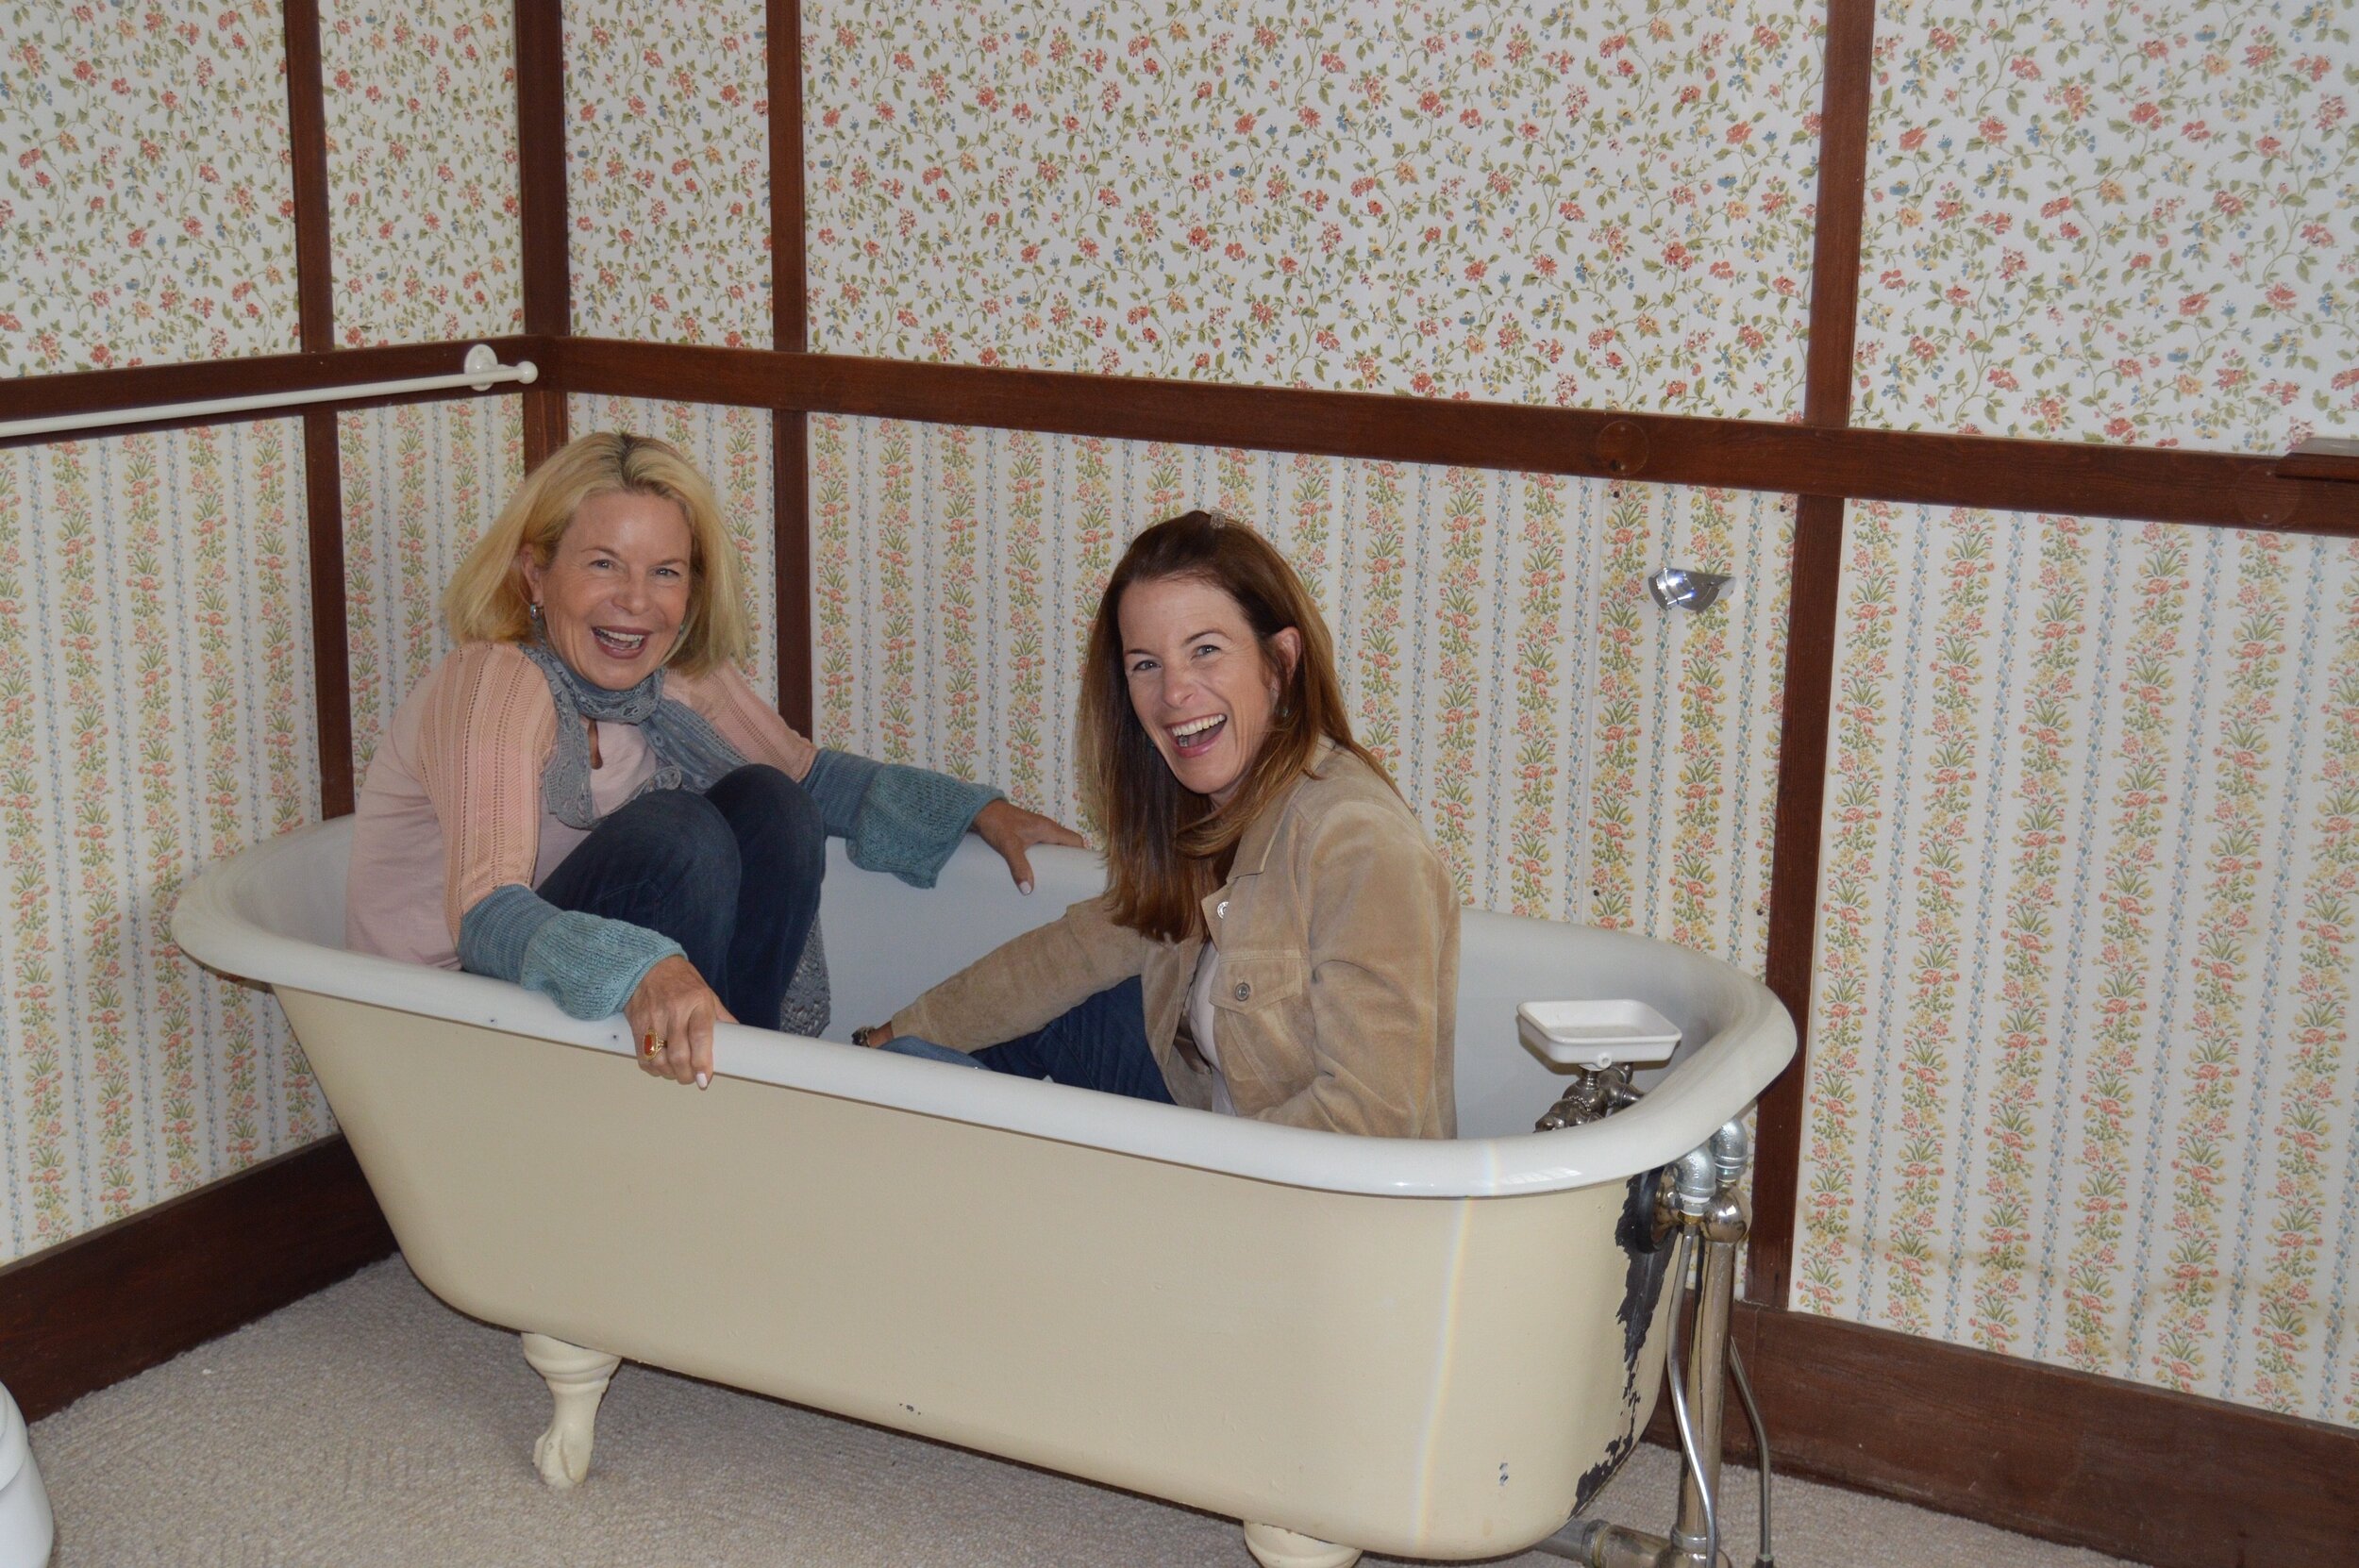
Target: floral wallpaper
(2081, 1081)
(422, 481)
(144, 197)
(1576, 752)
(422, 170)
(667, 151)
(2133, 222)
(1535, 204)
(734, 449)
(156, 713)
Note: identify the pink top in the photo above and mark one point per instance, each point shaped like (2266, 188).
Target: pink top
(451, 808)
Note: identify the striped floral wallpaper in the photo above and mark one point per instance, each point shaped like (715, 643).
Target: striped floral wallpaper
(2083, 1084)
(1576, 752)
(421, 483)
(156, 705)
(421, 165)
(1573, 204)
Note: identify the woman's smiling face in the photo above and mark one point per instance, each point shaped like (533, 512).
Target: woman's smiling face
(615, 590)
(1198, 680)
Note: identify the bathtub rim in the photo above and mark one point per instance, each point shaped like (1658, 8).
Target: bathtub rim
(1716, 1084)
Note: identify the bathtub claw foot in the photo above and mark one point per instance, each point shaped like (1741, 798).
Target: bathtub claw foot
(576, 1379)
(1275, 1548)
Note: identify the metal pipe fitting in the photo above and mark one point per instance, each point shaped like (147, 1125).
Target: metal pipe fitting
(1597, 1544)
(1694, 1181)
(1594, 1094)
(1727, 1218)
(1731, 1151)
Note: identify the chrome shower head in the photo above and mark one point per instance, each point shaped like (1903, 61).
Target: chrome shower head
(1682, 587)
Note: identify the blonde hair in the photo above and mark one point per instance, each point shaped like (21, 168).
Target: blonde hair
(488, 600)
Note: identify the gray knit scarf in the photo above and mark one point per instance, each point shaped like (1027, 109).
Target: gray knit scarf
(690, 752)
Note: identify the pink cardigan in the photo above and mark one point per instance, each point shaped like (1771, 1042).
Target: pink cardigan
(451, 807)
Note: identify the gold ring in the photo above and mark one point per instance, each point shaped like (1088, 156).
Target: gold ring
(655, 1044)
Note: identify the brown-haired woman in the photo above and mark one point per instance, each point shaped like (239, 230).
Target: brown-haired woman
(1277, 940)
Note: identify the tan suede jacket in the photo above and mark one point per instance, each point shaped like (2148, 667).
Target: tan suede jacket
(1338, 995)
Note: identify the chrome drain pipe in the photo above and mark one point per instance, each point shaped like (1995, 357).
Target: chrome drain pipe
(1695, 1532)
(1700, 1196)
(1767, 1556)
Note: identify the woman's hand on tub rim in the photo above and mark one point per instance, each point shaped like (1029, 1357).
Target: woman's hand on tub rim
(873, 1035)
(1010, 830)
(675, 1010)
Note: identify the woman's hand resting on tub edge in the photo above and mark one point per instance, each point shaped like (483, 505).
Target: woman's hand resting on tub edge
(671, 1014)
(1010, 830)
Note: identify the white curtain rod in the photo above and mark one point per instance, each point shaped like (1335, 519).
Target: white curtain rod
(482, 372)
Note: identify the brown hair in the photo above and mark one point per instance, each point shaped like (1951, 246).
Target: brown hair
(487, 597)
(1167, 846)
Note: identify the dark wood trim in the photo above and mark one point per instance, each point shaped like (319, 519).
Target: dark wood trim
(306, 138)
(1814, 604)
(120, 1299)
(2157, 1477)
(1844, 97)
(789, 434)
(2085, 479)
(789, 304)
(790, 329)
(331, 650)
(322, 462)
(2321, 458)
(541, 208)
(1811, 630)
(541, 167)
(544, 425)
(141, 386)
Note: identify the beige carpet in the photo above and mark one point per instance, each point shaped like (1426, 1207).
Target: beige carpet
(370, 1424)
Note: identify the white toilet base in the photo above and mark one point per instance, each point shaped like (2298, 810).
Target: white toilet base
(27, 1529)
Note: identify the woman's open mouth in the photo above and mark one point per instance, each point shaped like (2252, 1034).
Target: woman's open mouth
(622, 644)
(1195, 737)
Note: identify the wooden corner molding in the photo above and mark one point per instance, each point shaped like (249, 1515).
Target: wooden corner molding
(1814, 611)
(542, 234)
(117, 1300)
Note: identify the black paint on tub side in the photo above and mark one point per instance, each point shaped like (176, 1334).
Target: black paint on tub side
(1642, 1289)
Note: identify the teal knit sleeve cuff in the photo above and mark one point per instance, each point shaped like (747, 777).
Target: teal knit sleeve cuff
(588, 965)
(896, 818)
(837, 783)
(911, 821)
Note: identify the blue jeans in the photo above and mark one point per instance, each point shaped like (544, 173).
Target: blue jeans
(1099, 1045)
(731, 875)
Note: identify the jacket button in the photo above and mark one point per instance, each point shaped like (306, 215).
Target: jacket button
(1244, 990)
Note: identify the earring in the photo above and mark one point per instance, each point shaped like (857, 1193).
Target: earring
(534, 609)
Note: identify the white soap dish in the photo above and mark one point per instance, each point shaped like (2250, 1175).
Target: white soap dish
(1598, 1034)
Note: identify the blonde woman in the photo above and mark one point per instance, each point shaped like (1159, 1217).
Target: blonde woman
(1277, 940)
(587, 798)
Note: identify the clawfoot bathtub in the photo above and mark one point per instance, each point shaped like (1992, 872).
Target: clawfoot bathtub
(1433, 1349)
